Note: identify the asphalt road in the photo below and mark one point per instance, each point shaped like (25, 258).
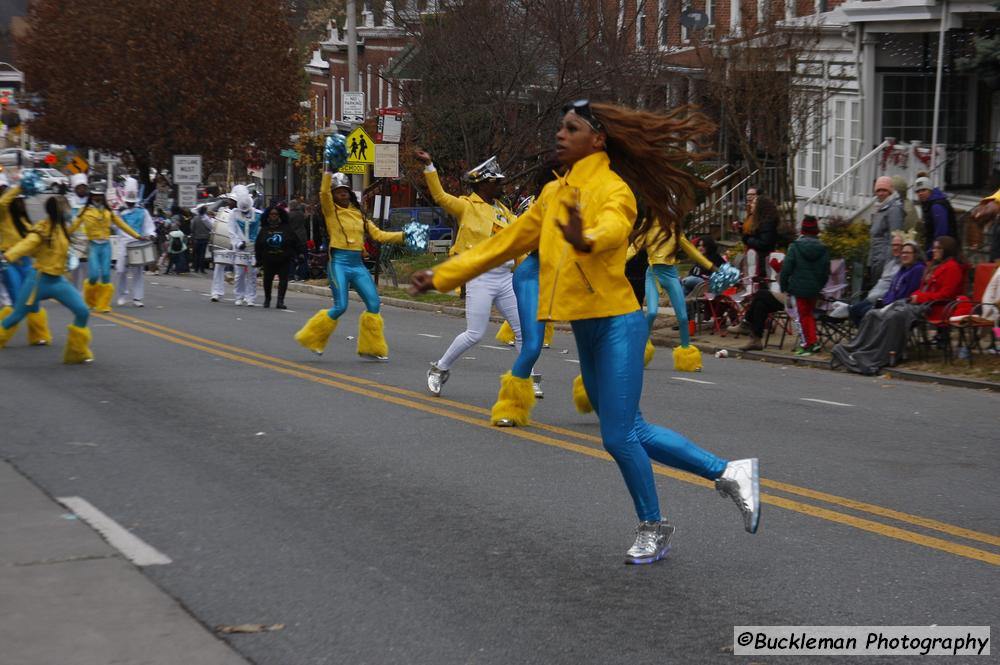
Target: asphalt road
(382, 525)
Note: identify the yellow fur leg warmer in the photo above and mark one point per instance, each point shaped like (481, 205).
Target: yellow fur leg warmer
(371, 336)
(315, 333)
(515, 400)
(647, 355)
(77, 346)
(90, 292)
(549, 329)
(687, 358)
(6, 333)
(105, 292)
(506, 334)
(38, 328)
(580, 399)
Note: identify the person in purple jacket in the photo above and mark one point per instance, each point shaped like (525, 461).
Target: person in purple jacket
(911, 271)
(939, 216)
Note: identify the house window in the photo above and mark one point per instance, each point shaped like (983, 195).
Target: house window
(661, 26)
(640, 24)
(908, 108)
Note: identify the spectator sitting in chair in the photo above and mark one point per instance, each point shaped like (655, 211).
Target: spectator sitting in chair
(710, 250)
(803, 275)
(877, 293)
(944, 279)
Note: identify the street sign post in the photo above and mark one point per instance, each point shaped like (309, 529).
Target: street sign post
(187, 169)
(352, 107)
(390, 126)
(290, 154)
(387, 160)
(187, 196)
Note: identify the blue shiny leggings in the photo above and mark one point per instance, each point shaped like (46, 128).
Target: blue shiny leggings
(532, 330)
(15, 275)
(99, 262)
(611, 352)
(666, 275)
(40, 287)
(345, 270)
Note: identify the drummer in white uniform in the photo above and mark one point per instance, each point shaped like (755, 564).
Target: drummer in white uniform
(243, 226)
(79, 245)
(140, 221)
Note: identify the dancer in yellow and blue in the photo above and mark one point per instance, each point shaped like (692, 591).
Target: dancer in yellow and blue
(580, 226)
(14, 225)
(346, 227)
(48, 243)
(97, 219)
(662, 244)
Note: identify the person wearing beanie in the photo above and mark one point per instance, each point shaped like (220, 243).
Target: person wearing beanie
(48, 243)
(911, 218)
(939, 216)
(888, 217)
(803, 275)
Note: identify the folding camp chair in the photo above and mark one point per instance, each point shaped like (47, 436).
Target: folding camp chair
(832, 330)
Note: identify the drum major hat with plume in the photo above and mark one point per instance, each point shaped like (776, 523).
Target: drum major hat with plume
(488, 170)
(78, 179)
(131, 190)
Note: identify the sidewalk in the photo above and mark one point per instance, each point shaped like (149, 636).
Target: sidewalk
(68, 597)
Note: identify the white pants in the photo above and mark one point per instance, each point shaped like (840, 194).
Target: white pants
(495, 286)
(138, 286)
(79, 276)
(246, 283)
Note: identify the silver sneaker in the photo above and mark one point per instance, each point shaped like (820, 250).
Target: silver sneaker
(137, 303)
(436, 378)
(505, 422)
(373, 356)
(741, 482)
(652, 542)
(536, 381)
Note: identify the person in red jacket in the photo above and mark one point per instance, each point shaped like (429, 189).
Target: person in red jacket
(944, 279)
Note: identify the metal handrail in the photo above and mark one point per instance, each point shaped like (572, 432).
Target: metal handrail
(857, 165)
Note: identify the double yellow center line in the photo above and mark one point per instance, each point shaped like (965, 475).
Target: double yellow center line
(586, 444)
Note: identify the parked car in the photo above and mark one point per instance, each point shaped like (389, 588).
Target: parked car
(441, 225)
(53, 178)
(15, 157)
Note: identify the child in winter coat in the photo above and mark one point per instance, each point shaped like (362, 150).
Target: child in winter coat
(804, 274)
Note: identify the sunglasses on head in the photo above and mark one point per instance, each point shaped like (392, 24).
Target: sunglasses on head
(581, 108)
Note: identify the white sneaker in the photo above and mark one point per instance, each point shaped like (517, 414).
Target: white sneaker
(652, 542)
(137, 303)
(215, 298)
(122, 301)
(436, 378)
(239, 301)
(741, 482)
(249, 303)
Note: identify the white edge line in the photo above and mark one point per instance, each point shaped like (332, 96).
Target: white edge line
(571, 360)
(429, 335)
(130, 545)
(823, 401)
(684, 378)
(497, 348)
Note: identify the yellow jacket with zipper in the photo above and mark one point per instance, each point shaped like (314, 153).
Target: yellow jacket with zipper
(97, 223)
(48, 245)
(662, 250)
(572, 285)
(8, 232)
(346, 226)
(478, 220)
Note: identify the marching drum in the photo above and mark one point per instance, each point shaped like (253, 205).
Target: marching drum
(243, 259)
(220, 235)
(140, 252)
(223, 256)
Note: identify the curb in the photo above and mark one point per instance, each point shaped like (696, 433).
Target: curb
(663, 339)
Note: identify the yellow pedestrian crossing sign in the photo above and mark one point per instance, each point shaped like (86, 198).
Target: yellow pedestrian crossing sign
(360, 147)
(78, 165)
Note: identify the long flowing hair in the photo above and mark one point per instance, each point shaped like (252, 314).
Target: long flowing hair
(649, 151)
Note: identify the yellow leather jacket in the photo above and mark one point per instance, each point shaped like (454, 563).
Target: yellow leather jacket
(97, 223)
(572, 285)
(346, 226)
(478, 220)
(8, 232)
(662, 250)
(48, 245)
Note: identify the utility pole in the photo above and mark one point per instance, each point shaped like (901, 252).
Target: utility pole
(352, 61)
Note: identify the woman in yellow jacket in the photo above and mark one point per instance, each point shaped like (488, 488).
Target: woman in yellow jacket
(346, 227)
(14, 225)
(97, 219)
(661, 247)
(48, 243)
(580, 225)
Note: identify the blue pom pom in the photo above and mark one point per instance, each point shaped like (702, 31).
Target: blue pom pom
(335, 151)
(31, 182)
(723, 278)
(415, 234)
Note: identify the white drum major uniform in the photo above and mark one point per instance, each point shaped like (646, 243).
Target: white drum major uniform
(131, 256)
(243, 226)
